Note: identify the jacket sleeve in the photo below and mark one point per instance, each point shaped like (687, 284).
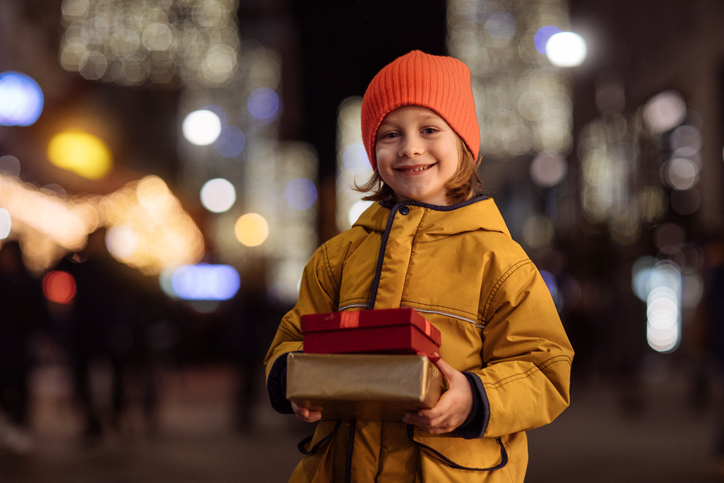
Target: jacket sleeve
(318, 294)
(526, 378)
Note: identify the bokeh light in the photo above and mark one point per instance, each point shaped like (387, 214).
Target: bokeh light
(201, 127)
(355, 160)
(686, 141)
(300, 193)
(641, 277)
(10, 165)
(664, 307)
(205, 282)
(357, 209)
(263, 104)
(501, 25)
(547, 170)
(218, 195)
(122, 242)
(680, 173)
(231, 142)
(685, 202)
(81, 153)
(138, 41)
(543, 35)
(664, 111)
(21, 99)
(668, 236)
(566, 49)
(5, 223)
(251, 229)
(538, 231)
(59, 287)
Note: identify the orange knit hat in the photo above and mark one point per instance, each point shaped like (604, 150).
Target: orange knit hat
(437, 82)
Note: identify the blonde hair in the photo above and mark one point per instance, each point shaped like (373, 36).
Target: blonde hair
(463, 185)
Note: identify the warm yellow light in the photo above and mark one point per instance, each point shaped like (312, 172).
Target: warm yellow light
(81, 153)
(251, 229)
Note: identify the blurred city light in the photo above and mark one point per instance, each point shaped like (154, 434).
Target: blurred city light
(641, 276)
(685, 202)
(218, 195)
(680, 173)
(59, 287)
(149, 229)
(300, 193)
(231, 142)
(353, 167)
(523, 106)
(501, 25)
(205, 282)
(121, 242)
(10, 165)
(201, 127)
(543, 35)
(686, 141)
(547, 170)
(664, 111)
(566, 49)
(80, 152)
(357, 209)
(664, 307)
(135, 41)
(21, 99)
(251, 230)
(5, 223)
(263, 104)
(538, 231)
(356, 161)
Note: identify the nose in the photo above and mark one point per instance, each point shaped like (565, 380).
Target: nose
(410, 146)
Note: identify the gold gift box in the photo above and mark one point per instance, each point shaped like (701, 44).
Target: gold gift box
(363, 386)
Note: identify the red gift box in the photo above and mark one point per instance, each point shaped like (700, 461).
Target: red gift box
(382, 331)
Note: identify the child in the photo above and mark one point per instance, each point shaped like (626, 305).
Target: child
(433, 243)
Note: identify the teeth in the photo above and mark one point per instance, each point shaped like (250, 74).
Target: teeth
(416, 169)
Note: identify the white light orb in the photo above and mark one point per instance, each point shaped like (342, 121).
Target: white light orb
(218, 195)
(566, 49)
(547, 170)
(201, 127)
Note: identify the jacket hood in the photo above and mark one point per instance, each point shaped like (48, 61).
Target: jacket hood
(479, 213)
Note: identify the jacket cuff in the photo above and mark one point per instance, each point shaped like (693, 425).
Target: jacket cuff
(477, 421)
(276, 386)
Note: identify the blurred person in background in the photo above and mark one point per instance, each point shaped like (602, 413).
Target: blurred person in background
(710, 335)
(246, 329)
(21, 317)
(102, 332)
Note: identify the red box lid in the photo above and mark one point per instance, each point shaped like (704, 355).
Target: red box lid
(369, 318)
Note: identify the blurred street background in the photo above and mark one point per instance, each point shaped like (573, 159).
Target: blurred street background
(167, 168)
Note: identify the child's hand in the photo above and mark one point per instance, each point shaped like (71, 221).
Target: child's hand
(304, 414)
(451, 410)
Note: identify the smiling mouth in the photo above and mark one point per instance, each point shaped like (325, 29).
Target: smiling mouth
(415, 169)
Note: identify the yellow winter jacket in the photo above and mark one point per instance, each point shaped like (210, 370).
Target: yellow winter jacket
(459, 267)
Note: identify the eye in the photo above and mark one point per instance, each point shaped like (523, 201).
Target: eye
(389, 135)
(430, 130)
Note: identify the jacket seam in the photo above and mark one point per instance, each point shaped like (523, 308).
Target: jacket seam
(438, 239)
(529, 372)
(328, 267)
(499, 283)
(472, 315)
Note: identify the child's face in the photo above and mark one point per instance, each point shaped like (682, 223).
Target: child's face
(417, 154)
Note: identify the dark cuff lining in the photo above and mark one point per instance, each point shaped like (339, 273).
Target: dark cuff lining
(276, 386)
(477, 421)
